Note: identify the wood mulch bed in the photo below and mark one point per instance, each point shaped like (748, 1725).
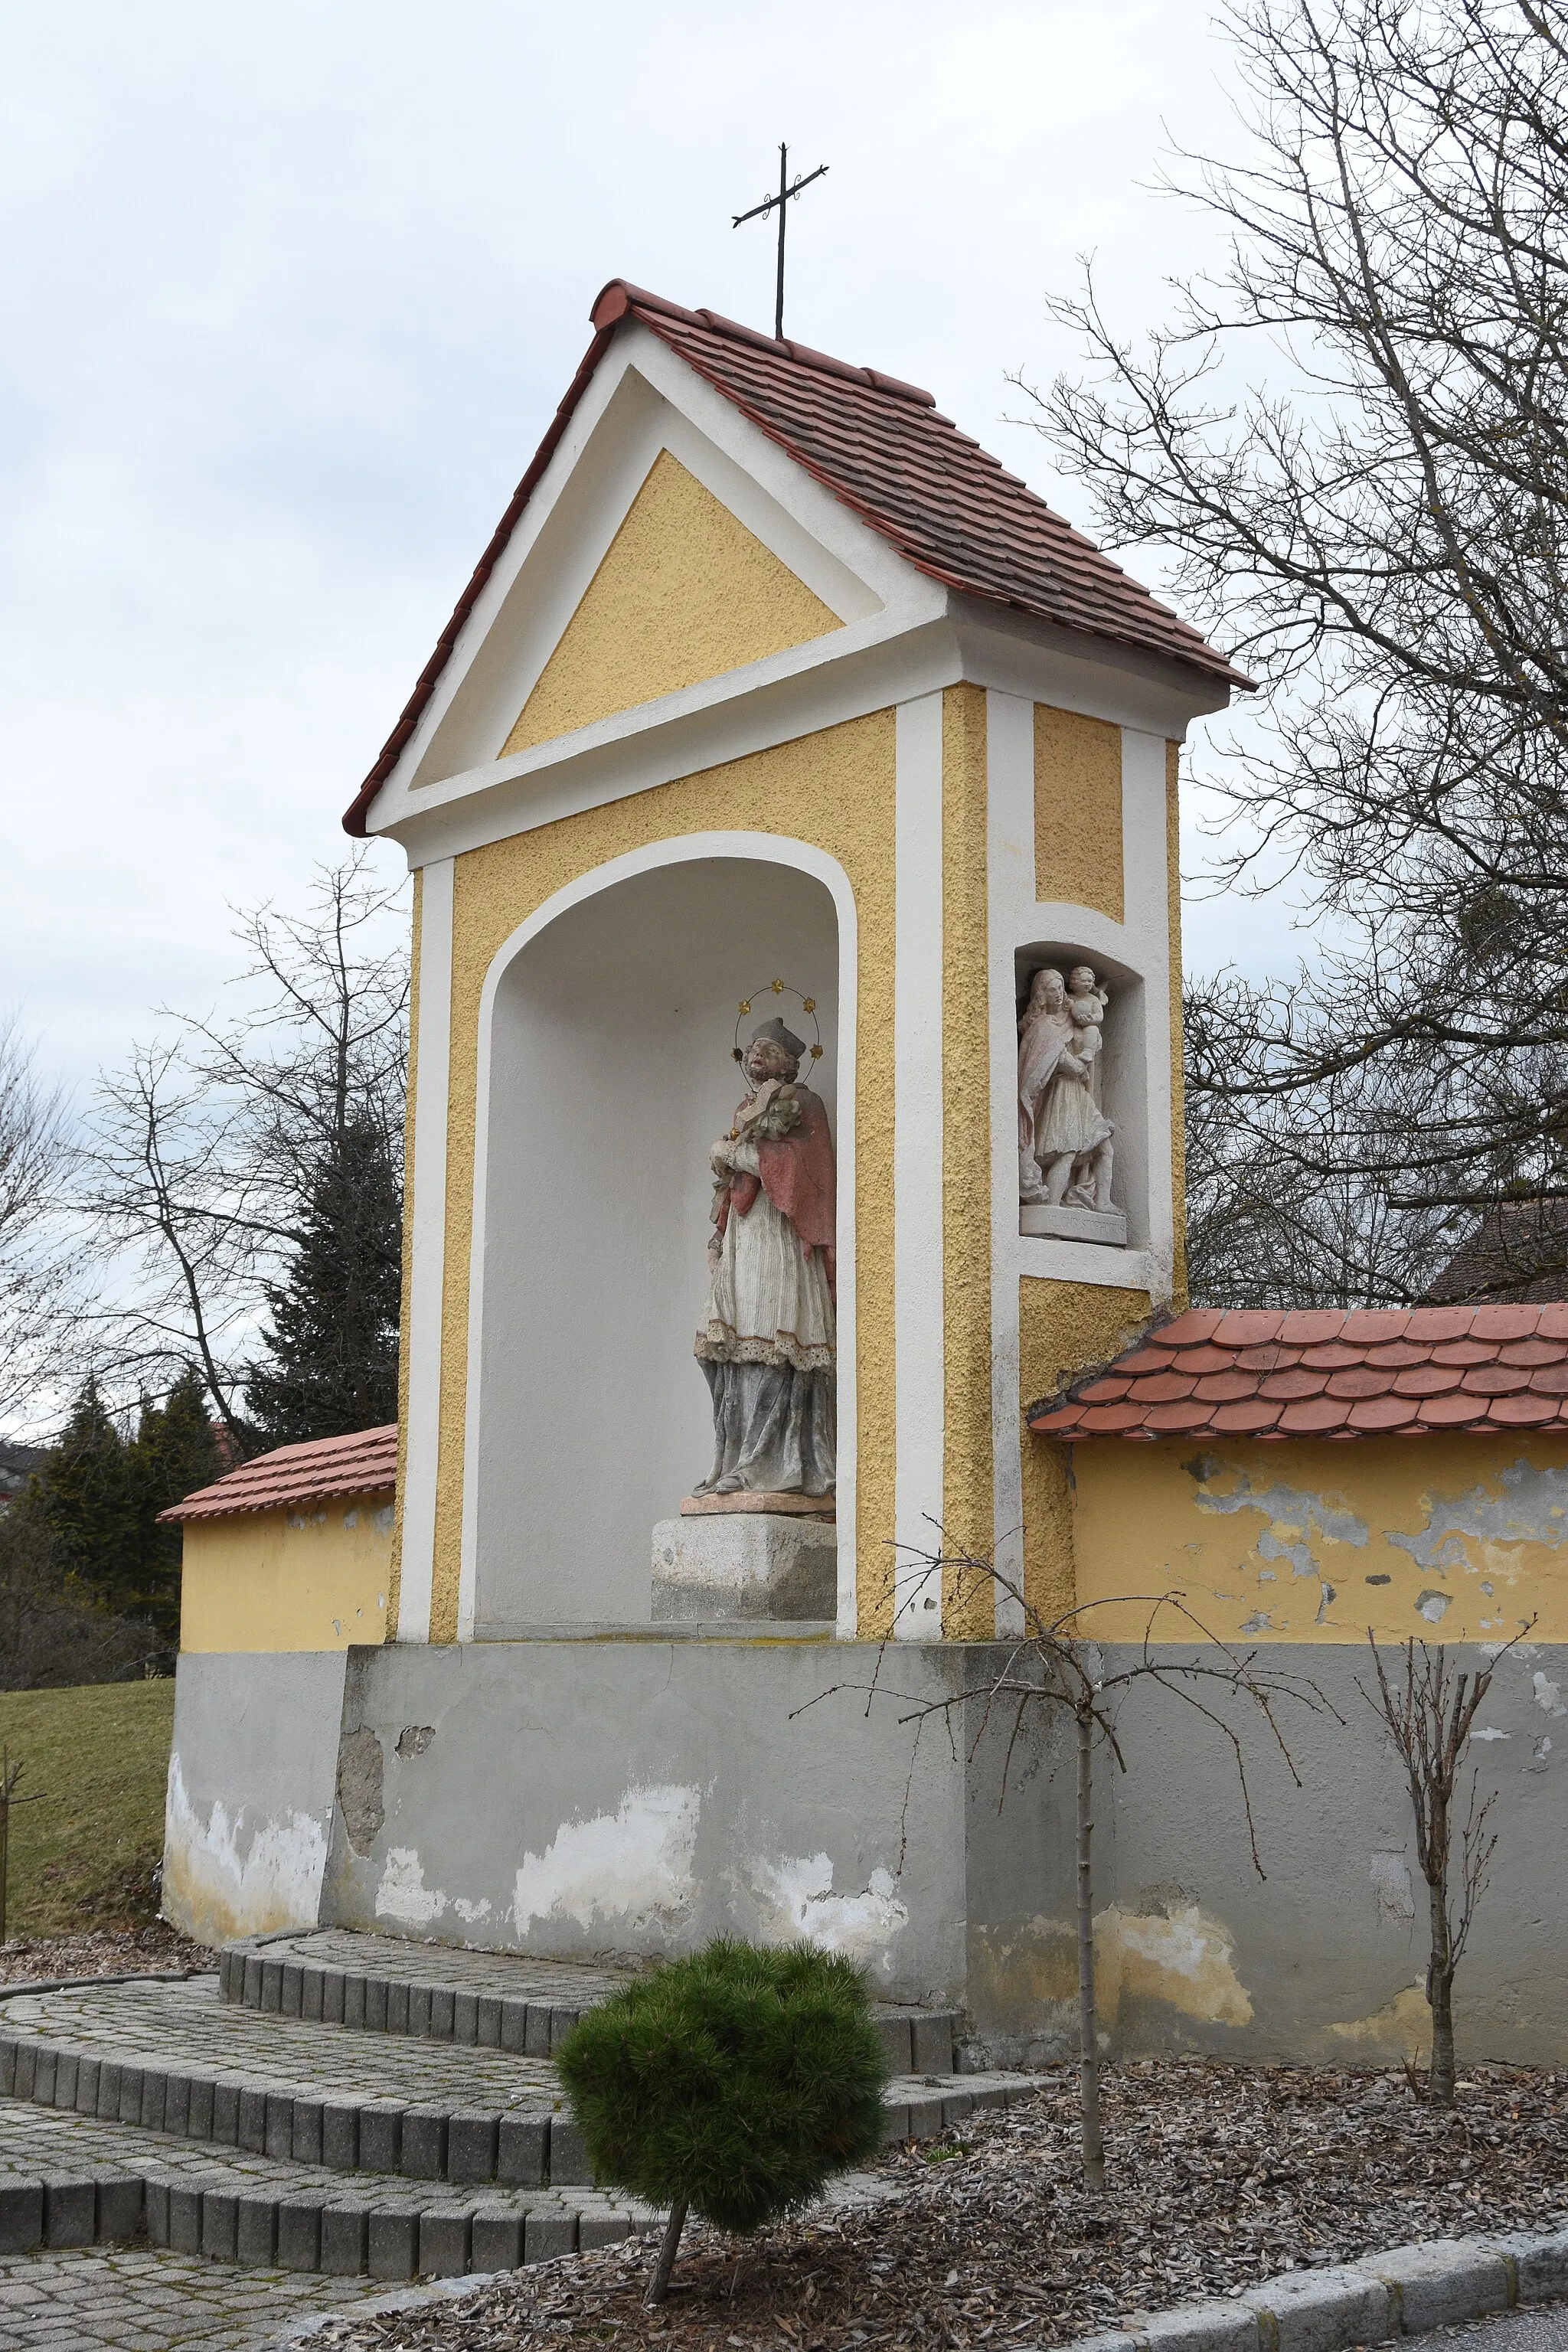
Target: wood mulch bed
(1220, 2175)
(31, 1958)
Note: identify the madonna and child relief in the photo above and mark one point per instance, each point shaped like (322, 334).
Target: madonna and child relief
(1065, 1143)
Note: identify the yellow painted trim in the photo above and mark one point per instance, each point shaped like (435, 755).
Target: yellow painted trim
(1078, 810)
(834, 789)
(1178, 1066)
(967, 1502)
(1064, 1329)
(1448, 1539)
(312, 1579)
(685, 592)
(395, 1571)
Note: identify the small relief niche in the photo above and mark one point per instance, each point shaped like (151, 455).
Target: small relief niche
(1075, 1043)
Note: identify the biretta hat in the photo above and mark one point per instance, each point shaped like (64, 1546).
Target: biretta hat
(777, 1034)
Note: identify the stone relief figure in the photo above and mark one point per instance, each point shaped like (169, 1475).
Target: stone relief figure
(1064, 1141)
(768, 1346)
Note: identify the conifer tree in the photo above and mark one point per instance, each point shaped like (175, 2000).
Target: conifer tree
(175, 1450)
(334, 1341)
(87, 1497)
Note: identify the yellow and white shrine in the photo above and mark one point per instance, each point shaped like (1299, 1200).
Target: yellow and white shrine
(768, 670)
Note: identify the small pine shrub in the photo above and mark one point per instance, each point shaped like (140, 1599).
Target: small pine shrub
(736, 2082)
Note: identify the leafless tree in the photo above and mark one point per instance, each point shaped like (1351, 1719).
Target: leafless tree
(36, 1291)
(201, 1149)
(1056, 1665)
(1430, 1714)
(1352, 443)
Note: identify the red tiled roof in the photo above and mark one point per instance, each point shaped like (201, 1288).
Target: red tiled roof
(1329, 1372)
(365, 1464)
(883, 447)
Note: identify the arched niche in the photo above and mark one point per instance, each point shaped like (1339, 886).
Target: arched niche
(608, 1073)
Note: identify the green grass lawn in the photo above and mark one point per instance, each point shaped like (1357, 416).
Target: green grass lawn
(84, 1861)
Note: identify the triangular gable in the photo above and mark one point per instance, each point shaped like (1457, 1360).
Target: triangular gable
(685, 592)
(880, 448)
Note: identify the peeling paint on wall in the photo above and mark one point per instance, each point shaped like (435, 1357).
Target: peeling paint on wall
(403, 1893)
(1182, 1957)
(1531, 1508)
(795, 1893)
(1294, 1515)
(633, 1865)
(1401, 2028)
(1395, 1896)
(223, 1877)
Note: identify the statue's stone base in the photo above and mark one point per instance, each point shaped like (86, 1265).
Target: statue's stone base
(789, 1506)
(1105, 1225)
(745, 1563)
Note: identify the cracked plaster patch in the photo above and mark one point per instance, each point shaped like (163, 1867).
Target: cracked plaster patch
(214, 1889)
(403, 1893)
(796, 1894)
(1182, 1957)
(636, 1865)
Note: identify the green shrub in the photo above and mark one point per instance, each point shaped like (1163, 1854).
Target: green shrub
(736, 2082)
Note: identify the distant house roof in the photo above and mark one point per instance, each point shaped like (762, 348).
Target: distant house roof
(1333, 1372)
(365, 1464)
(1518, 1250)
(886, 450)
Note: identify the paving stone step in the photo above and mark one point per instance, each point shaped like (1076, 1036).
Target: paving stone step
(176, 2060)
(79, 2185)
(493, 2000)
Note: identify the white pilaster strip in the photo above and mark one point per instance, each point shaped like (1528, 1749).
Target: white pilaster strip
(1146, 879)
(918, 1344)
(427, 1227)
(1010, 895)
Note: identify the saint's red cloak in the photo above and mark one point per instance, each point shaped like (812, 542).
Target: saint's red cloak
(797, 1173)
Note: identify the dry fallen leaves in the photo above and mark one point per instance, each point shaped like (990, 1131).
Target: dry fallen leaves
(46, 1956)
(1219, 2176)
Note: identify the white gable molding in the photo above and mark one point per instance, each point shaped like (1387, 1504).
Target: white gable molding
(843, 560)
(427, 1246)
(771, 848)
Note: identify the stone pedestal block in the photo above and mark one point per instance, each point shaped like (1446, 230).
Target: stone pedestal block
(1107, 1226)
(744, 1564)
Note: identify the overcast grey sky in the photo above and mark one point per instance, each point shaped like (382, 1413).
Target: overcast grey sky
(289, 294)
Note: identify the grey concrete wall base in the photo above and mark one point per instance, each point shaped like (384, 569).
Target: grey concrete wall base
(1441, 2282)
(646, 1789)
(749, 1564)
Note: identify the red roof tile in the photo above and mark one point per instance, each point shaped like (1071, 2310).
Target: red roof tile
(364, 1464)
(883, 448)
(1329, 1372)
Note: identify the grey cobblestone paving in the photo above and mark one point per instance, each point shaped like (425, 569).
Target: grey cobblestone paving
(132, 2299)
(186, 2026)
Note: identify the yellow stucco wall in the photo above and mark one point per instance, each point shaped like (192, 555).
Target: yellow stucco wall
(1452, 1539)
(685, 592)
(313, 1579)
(835, 790)
(1063, 1328)
(1077, 810)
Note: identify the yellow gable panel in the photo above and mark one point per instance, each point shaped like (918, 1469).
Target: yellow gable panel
(684, 593)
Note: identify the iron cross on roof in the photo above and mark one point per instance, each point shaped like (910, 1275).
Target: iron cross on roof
(787, 188)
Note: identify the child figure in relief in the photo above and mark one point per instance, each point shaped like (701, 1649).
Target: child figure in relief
(1073, 1137)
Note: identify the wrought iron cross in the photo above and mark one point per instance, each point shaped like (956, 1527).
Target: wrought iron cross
(779, 204)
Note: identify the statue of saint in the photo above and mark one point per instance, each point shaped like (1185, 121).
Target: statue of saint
(1064, 1141)
(768, 1345)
